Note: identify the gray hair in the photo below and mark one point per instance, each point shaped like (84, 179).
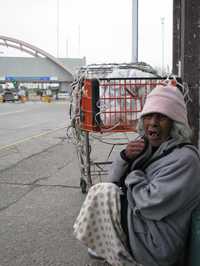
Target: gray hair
(179, 131)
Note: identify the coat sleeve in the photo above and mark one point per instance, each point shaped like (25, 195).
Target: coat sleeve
(173, 185)
(118, 169)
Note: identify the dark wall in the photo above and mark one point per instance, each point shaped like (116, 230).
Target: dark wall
(186, 49)
(176, 35)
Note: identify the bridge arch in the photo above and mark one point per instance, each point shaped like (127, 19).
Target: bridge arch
(34, 51)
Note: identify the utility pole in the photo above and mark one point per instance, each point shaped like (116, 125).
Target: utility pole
(134, 31)
(176, 38)
(186, 51)
(163, 42)
(79, 40)
(67, 48)
(58, 27)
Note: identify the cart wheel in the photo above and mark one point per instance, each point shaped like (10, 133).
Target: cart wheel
(83, 186)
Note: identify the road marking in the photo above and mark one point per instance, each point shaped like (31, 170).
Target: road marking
(30, 138)
(9, 113)
(25, 126)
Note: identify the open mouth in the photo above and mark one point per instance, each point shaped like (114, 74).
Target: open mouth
(153, 134)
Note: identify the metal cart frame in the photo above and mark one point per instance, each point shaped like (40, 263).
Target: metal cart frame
(123, 98)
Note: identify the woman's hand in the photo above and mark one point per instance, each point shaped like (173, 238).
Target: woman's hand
(134, 148)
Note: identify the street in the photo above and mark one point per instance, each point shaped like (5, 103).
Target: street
(39, 187)
(19, 121)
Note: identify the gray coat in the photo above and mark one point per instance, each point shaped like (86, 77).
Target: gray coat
(161, 199)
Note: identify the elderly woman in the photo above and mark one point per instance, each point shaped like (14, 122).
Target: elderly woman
(142, 216)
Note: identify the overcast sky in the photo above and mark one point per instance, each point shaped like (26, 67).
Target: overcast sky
(99, 30)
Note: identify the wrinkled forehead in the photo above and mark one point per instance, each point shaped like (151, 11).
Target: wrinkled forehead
(156, 115)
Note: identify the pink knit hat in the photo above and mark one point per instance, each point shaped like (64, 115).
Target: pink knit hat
(166, 100)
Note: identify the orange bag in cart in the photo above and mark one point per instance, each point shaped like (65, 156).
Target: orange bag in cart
(89, 106)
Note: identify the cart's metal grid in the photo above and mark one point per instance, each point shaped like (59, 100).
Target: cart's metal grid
(101, 107)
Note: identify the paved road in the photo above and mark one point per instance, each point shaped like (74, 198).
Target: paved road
(39, 188)
(19, 121)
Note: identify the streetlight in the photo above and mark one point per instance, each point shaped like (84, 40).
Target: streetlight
(79, 40)
(58, 6)
(134, 31)
(163, 41)
(67, 48)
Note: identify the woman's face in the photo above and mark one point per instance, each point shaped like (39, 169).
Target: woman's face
(157, 128)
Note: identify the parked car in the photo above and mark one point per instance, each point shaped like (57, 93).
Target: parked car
(63, 95)
(10, 96)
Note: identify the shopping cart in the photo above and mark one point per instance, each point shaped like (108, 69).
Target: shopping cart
(104, 106)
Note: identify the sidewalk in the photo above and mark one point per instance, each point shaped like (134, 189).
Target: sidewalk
(40, 198)
(102, 151)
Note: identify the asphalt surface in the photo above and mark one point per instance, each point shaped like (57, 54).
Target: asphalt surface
(40, 195)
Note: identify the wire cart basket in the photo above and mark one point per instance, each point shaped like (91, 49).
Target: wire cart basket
(103, 106)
